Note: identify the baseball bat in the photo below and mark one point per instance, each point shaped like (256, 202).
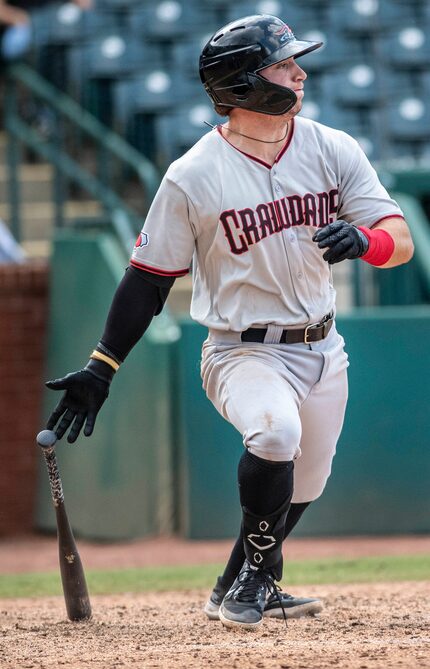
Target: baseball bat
(72, 573)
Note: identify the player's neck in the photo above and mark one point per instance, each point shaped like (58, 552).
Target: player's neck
(260, 135)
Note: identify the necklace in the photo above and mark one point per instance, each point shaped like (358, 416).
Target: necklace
(265, 141)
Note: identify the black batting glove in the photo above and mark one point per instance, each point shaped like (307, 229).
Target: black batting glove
(85, 392)
(343, 241)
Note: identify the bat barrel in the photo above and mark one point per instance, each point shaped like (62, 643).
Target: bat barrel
(72, 573)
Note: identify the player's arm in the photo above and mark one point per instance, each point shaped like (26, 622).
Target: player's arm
(386, 244)
(403, 246)
(139, 297)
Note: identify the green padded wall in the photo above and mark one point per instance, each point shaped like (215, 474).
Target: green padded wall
(117, 483)
(381, 474)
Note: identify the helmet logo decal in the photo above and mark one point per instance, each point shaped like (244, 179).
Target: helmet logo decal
(142, 240)
(284, 33)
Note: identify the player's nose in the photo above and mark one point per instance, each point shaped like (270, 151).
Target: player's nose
(299, 73)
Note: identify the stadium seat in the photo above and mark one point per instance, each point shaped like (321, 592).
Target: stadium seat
(337, 49)
(68, 24)
(154, 92)
(350, 121)
(408, 119)
(353, 86)
(113, 56)
(93, 68)
(178, 131)
(397, 84)
(368, 16)
(297, 17)
(171, 20)
(408, 46)
(114, 5)
(186, 55)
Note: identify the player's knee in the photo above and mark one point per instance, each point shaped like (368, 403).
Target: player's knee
(282, 444)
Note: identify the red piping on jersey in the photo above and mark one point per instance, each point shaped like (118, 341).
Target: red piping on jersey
(258, 160)
(388, 216)
(160, 272)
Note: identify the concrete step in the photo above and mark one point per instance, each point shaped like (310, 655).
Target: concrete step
(35, 183)
(38, 249)
(37, 218)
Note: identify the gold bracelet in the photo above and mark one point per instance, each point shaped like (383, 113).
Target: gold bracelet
(96, 355)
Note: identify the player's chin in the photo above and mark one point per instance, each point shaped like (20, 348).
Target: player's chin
(294, 110)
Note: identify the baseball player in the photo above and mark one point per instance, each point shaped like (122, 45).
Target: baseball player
(263, 205)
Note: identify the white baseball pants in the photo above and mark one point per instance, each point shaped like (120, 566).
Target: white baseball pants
(287, 400)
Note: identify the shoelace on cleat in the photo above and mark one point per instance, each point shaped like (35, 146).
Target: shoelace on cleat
(250, 580)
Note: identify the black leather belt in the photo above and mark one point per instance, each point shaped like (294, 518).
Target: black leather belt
(307, 335)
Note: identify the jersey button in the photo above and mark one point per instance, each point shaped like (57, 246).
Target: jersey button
(299, 275)
(277, 187)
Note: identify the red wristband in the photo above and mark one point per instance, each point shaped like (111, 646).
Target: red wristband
(381, 246)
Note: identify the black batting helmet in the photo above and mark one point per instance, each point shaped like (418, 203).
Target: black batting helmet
(232, 59)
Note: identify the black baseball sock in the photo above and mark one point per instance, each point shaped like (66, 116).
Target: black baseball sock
(237, 556)
(265, 490)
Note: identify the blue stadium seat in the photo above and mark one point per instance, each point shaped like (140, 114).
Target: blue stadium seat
(424, 83)
(93, 68)
(337, 49)
(114, 5)
(299, 18)
(185, 55)
(68, 24)
(357, 85)
(408, 119)
(368, 16)
(350, 121)
(113, 56)
(408, 46)
(177, 132)
(152, 93)
(397, 84)
(171, 20)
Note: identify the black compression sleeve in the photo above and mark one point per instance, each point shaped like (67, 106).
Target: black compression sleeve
(139, 297)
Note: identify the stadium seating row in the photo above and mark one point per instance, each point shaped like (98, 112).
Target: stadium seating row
(135, 65)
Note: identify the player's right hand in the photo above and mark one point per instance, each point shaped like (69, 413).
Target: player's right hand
(85, 392)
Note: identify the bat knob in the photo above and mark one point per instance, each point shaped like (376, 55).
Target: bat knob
(46, 439)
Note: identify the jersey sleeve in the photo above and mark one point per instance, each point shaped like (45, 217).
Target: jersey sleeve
(165, 246)
(363, 200)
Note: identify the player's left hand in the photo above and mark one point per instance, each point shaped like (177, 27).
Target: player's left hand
(343, 241)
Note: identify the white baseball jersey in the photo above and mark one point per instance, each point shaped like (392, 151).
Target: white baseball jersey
(248, 226)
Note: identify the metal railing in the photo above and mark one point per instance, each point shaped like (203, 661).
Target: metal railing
(108, 147)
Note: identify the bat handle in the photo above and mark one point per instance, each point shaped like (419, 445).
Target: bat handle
(54, 476)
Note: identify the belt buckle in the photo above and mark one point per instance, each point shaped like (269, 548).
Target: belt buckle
(309, 327)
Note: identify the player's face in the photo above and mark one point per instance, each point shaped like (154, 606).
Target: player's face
(287, 73)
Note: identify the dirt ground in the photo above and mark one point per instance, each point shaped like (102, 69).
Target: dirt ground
(377, 626)
(382, 626)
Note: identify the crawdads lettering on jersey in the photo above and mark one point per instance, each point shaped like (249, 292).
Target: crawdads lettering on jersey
(250, 226)
(246, 226)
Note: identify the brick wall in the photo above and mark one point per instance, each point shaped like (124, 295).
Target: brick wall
(23, 319)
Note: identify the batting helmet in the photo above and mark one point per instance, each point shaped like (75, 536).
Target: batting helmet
(232, 59)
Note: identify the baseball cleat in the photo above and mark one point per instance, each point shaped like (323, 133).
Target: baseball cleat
(215, 600)
(243, 605)
(294, 607)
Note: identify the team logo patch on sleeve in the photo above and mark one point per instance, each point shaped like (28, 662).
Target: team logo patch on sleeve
(142, 240)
